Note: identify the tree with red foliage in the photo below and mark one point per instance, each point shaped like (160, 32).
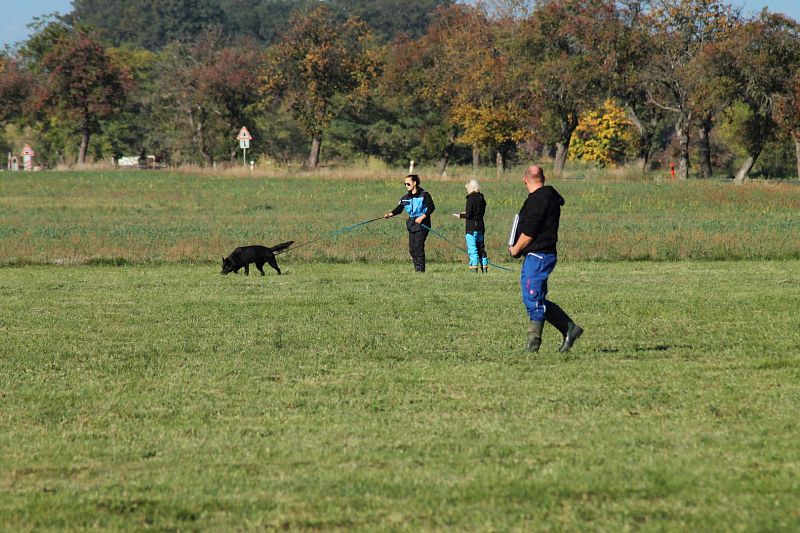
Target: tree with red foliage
(788, 115)
(765, 58)
(15, 87)
(233, 83)
(82, 83)
(676, 76)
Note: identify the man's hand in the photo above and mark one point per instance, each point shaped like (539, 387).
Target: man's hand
(388, 215)
(522, 242)
(419, 219)
(457, 215)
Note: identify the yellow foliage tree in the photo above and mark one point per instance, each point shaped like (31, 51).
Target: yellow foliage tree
(604, 136)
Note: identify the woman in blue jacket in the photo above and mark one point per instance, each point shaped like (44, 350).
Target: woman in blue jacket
(419, 206)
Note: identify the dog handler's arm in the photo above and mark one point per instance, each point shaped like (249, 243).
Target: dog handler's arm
(522, 242)
(394, 212)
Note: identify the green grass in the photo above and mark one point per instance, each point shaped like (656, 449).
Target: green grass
(360, 396)
(141, 390)
(161, 217)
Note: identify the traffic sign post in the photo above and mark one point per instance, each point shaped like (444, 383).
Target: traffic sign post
(244, 139)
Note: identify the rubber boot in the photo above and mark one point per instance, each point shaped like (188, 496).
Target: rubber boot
(573, 332)
(534, 336)
(557, 317)
(563, 323)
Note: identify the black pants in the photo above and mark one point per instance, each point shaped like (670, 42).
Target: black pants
(416, 247)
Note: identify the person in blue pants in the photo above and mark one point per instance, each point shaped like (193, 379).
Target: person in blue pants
(536, 238)
(474, 226)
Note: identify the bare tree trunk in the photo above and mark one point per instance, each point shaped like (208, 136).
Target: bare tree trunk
(682, 132)
(569, 123)
(199, 124)
(744, 170)
(447, 152)
(644, 140)
(84, 146)
(797, 151)
(500, 162)
(476, 156)
(561, 158)
(313, 158)
(705, 149)
(208, 157)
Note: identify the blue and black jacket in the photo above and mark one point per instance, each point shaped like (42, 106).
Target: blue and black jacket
(415, 205)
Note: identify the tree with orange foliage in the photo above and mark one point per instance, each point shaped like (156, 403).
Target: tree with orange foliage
(568, 49)
(318, 58)
(488, 105)
(604, 136)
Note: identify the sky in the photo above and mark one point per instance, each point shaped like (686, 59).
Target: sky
(17, 14)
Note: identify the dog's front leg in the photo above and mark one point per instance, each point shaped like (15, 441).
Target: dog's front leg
(247, 270)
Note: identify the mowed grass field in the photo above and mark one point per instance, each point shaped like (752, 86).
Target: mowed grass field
(352, 394)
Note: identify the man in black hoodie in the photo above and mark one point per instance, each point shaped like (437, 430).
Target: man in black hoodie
(537, 234)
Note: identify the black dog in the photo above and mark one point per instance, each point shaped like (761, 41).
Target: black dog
(244, 255)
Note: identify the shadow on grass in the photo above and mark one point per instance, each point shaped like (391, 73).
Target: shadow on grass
(656, 348)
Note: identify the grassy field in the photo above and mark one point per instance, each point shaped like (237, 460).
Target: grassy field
(357, 396)
(136, 217)
(352, 394)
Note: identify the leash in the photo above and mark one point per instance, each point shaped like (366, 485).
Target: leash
(364, 223)
(459, 247)
(330, 235)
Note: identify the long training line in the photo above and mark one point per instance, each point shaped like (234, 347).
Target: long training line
(460, 248)
(330, 235)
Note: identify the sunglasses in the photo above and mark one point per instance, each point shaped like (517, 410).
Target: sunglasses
(409, 184)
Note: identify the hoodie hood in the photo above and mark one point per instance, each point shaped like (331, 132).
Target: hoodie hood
(550, 194)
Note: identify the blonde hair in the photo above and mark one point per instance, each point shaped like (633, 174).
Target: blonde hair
(473, 186)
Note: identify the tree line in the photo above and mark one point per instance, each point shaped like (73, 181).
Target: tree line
(694, 82)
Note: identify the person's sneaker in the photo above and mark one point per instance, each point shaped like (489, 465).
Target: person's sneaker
(574, 331)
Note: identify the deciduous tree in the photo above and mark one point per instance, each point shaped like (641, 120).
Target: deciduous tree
(569, 49)
(318, 58)
(765, 60)
(675, 76)
(82, 84)
(788, 115)
(16, 84)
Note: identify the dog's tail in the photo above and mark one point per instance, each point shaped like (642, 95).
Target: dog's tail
(281, 247)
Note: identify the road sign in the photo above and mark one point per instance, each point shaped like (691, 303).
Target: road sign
(244, 135)
(244, 144)
(28, 150)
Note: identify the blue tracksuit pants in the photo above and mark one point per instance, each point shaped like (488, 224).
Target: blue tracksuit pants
(476, 249)
(533, 281)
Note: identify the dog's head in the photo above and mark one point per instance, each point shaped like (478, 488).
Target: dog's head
(227, 265)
